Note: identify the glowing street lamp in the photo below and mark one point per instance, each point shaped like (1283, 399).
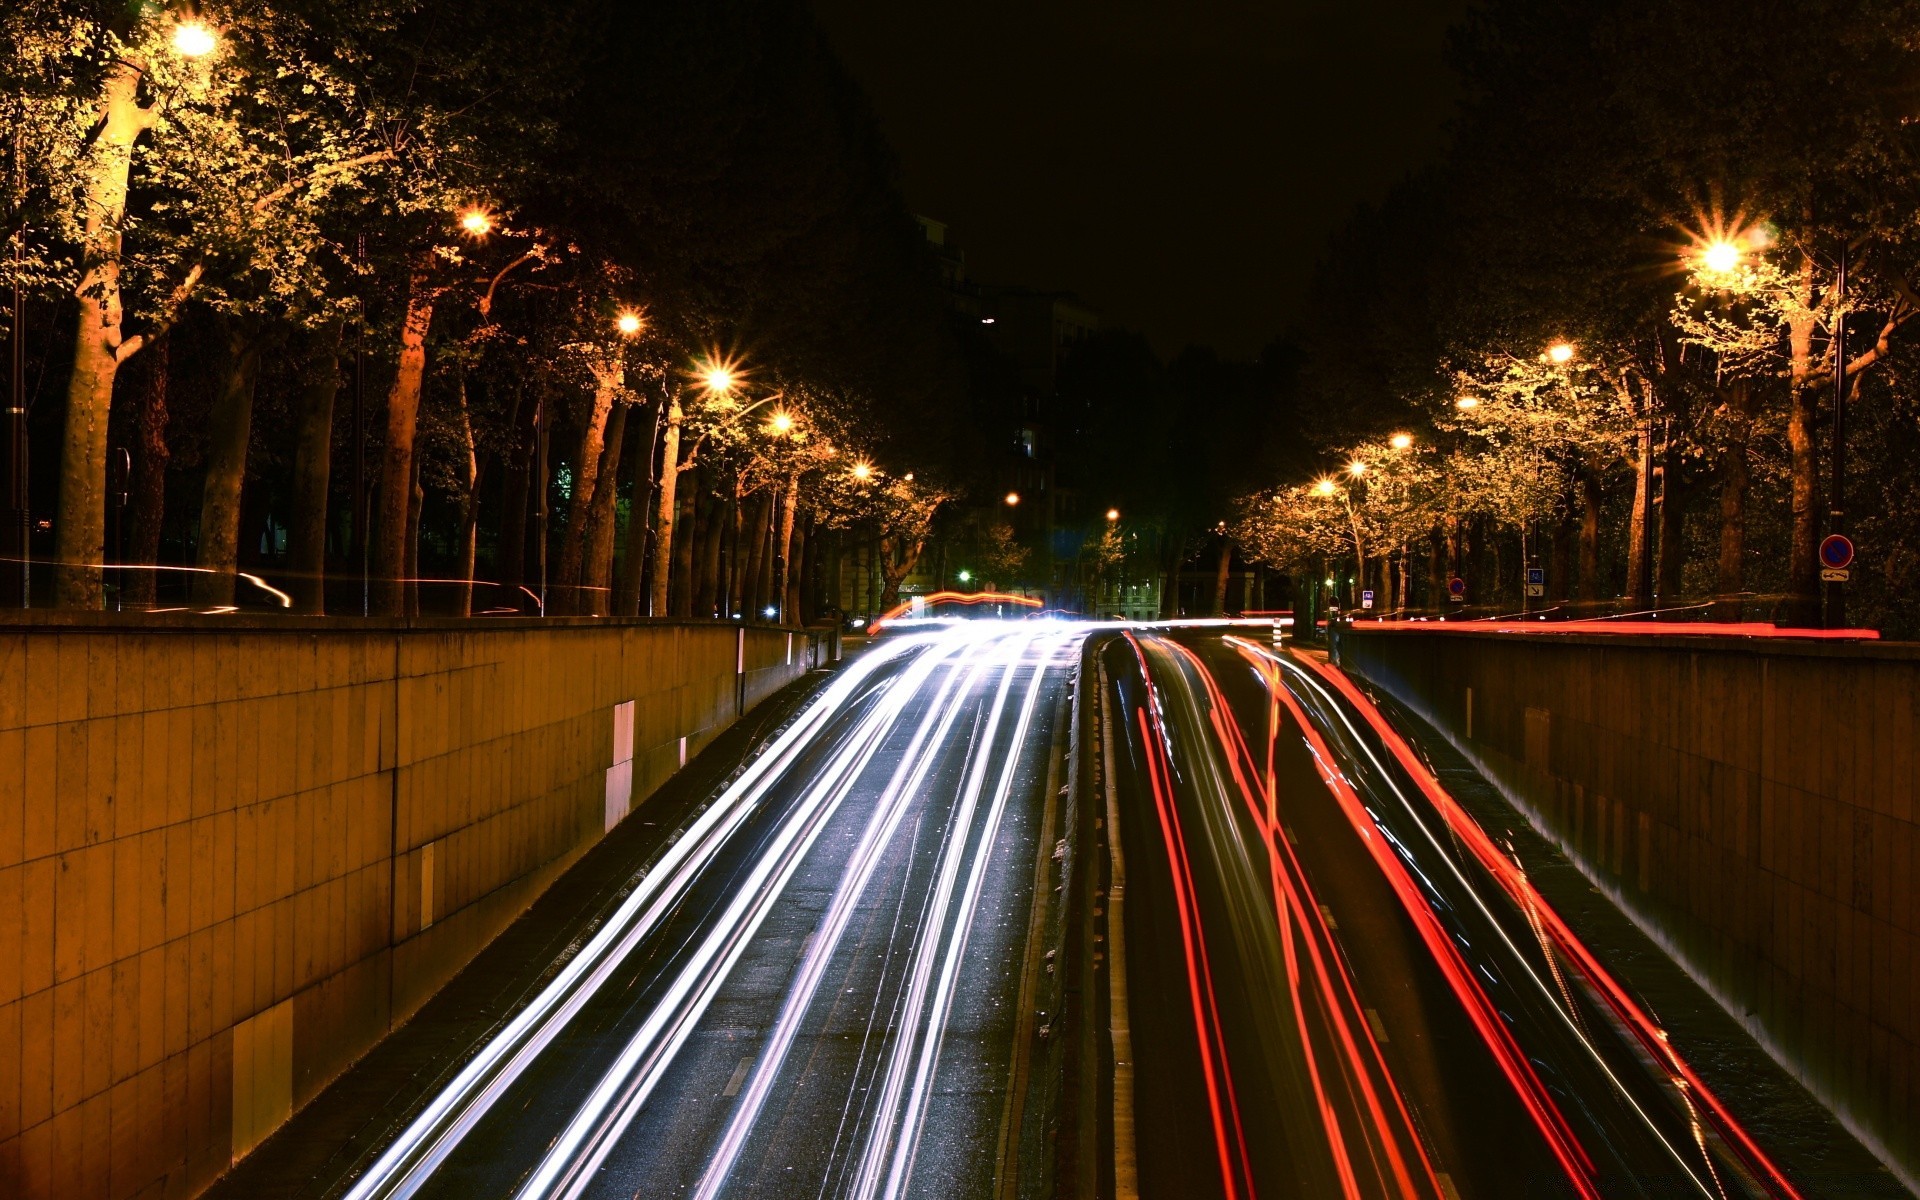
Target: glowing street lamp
(1324, 486)
(965, 576)
(863, 470)
(1356, 468)
(717, 378)
(478, 222)
(1560, 353)
(780, 424)
(1401, 441)
(1466, 403)
(1113, 514)
(1721, 257)
(1012, 498)
(192, 39)
(628, 323)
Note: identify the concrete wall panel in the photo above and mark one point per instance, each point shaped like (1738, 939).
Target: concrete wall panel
(232, 859)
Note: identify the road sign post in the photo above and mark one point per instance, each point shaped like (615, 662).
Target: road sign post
(1366, 598)
(1457, 590)
(1536, 582)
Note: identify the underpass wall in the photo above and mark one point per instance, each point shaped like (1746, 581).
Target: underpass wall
(1752, 804)
(233, 858)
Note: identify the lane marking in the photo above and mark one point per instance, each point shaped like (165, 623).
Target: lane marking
(1373, 1023)
(738, 1077)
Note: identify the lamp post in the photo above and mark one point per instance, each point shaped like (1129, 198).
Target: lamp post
(15, 579)
(1837, 497)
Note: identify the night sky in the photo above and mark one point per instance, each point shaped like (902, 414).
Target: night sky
(1180, 166)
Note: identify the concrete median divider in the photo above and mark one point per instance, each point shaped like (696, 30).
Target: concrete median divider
(235, 854)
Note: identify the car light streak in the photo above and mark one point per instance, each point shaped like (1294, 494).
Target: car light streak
(930, 1000)
(569, 1165)
(406, 1165)
(894, 803)
(1298, 908)
(1232, 1153)
(1481, 1011)
(1515, 881)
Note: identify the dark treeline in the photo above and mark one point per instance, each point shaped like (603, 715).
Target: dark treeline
(1604, 326)
(612, 303)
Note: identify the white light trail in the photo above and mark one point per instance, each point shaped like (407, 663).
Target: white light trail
(571, 1162)
(922, 1023)
(895, 802)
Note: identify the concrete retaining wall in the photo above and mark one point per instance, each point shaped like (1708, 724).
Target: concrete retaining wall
(231, 859)
(1753, 804)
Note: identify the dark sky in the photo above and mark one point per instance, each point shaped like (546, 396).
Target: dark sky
(1179, 164)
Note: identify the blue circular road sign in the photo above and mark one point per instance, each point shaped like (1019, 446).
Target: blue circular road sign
(1836, 551)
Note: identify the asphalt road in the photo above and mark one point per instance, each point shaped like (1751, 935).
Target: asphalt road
(819, 989)
(1338, 985)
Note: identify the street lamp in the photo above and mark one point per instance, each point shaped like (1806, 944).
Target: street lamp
(1356, 468)
(1401, 441)
(1720, 257)
(192, 39)
(1466, 403)
(478, 222)
(1560, 353)
(965, 576)
(628, 323)
(863, 470)
(1324, 486)
(1113, 514)
(780, 424)
(1012, 499)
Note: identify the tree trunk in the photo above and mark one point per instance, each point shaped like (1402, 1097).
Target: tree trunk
(597, 571)
(626, 600)
(752, 606)
(1673, 526)
(231, 431)
(795, 608)
(396, 466)
(1803, 604)
(608, 380)
(1730, 573)
(789, 609)
(515, 491)
(1439, 568)
(98, 348)
(147, 504)
(1560, 564)
(730, 555)
(416, 500)
(312, 464)
(707, 584)
(1589, 537)
(1223, 567)
(663, 520)
(683, 573)
(1638, 575)
(896, 563)
(465, 548)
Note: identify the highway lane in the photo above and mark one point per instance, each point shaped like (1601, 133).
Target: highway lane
(822, 989)
(1340, 986)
